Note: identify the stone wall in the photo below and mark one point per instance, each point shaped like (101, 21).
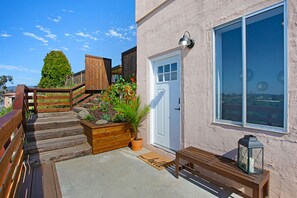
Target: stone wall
(158, 33)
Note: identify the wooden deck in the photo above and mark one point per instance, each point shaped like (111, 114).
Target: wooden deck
(40, 181)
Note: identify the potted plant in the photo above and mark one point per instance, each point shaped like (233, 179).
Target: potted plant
(135, 115)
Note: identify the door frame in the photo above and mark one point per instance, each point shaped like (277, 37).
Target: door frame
(152, 90)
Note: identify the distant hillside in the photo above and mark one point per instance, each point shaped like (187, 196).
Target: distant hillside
(13, 88)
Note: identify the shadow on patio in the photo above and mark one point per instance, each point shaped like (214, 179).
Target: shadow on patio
(120, 173)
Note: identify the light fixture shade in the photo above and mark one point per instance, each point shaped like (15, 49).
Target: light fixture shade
(186, 41)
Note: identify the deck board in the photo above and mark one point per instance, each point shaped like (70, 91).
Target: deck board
(40, 181)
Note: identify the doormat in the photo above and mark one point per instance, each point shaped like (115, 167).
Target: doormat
(156, 160)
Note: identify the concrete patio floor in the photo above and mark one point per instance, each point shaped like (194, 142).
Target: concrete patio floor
(120, 173)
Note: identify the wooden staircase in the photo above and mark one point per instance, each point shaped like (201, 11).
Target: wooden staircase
(53, 137)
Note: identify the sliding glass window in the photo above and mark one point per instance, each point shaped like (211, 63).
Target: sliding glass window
(255, 45)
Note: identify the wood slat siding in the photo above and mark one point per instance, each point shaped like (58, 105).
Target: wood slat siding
(108, 137)
(98, 73)
(129, 62)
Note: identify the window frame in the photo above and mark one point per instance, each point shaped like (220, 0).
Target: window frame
(244, 123)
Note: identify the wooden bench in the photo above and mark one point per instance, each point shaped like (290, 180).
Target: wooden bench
(223, 167)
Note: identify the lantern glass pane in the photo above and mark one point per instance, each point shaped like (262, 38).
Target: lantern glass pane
(243, 157)
(256, 160)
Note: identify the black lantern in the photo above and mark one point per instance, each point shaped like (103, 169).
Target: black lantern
(250, 156)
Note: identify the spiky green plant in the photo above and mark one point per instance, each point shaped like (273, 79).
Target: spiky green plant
(134, 113)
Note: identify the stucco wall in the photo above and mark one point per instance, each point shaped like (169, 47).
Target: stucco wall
(159, 32)
(144, 7)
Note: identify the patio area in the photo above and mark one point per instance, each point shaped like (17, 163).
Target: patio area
(120, 173)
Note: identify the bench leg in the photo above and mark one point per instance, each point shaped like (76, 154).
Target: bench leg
(257, 193)
(191, 165)
(176, 166)
(266, 190)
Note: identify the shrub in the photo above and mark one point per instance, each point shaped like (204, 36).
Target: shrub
(55, 70)
(5, 110)
(89, 117)
(121, 91)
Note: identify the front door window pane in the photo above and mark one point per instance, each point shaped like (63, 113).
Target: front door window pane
(229, 73)
(265, 68)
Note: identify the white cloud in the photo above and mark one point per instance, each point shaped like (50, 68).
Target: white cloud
(29, 34)
(132, 27)
(32, 49)
(115, 34)
(86, 35)
(69, 11)
(5, 35)
(85, 47)
(18, 68)
(65, 48)
(56, 19)
(47, 31)
(66, 34)
(96, 32)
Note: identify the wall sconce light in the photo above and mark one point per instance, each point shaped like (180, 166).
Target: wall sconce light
(186, 40)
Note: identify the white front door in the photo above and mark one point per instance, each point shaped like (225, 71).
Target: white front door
(166, 102)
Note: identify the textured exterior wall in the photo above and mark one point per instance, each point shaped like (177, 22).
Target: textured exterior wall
(158, 32)
(144, 7)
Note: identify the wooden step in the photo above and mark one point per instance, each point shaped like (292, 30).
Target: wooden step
(52, 124)
(54, 143)
(53, 119)
(60, 154)
(53, 133)
(56, 114)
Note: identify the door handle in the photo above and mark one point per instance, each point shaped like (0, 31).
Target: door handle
(178, 108)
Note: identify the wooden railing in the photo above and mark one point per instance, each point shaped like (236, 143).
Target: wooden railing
(57, 100)
(12, 128)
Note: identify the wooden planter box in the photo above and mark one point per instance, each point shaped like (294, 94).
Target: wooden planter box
(106, 137)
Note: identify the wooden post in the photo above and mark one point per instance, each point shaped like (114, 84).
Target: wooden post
(70, 99)
(19, 102)
(35, 101)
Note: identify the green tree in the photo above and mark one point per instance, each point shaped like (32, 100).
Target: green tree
(3, 89)
(55, 70)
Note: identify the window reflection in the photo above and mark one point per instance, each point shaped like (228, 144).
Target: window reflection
(229, 69)
(265, 57)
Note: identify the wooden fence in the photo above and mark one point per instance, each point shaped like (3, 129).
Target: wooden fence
(12, 128)
(57, 100)
(76, 78)
(98, 73)
(129, 63)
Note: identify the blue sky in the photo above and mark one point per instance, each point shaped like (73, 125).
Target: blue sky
(31, 29)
